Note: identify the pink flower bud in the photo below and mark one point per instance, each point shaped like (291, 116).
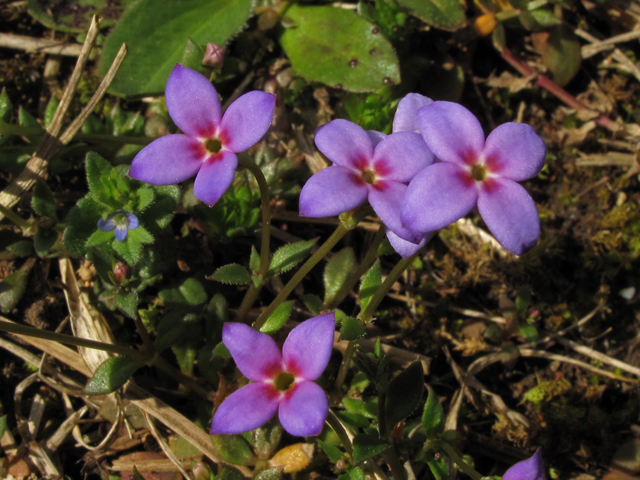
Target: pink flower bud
(213, 56)
(120, 271)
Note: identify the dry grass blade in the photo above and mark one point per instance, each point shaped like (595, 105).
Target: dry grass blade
(86, 322)
(165, 447)
(39, 45)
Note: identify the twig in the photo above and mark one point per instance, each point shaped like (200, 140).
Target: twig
(39, 45)
(599, 45)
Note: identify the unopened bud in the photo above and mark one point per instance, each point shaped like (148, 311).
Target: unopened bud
(120, 272)
(201, 471)
(213, 56)
(484, 24)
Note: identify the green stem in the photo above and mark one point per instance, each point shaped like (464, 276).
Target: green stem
(367, 261)
(15, 218)
(337, 427)
(464, 466)
(301, 273)
(71, 340)
(253, 292)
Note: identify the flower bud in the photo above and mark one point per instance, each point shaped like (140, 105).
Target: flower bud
(120, 272)
(484, 24)
(213, 56)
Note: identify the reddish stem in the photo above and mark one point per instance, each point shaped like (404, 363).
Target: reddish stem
(548, 84)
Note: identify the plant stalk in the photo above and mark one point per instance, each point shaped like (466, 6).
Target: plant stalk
(464, 466)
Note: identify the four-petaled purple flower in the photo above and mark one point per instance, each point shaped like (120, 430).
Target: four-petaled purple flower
(212, 140)
(368, 165)
(474, 171)
(529, 469)
(284, 382)
(121, 222)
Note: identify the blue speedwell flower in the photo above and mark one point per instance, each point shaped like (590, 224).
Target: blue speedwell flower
(121, 222)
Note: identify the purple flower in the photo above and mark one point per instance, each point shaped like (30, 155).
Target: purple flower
(529, 469)
(368, 165)
(474, 171)
(284, 382)
(120, 221)
(212, 140)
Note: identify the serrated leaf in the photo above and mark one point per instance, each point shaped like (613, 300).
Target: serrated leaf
(337, 272)
(288, 256)
(366, 446)
(432, 416)
(130, 250)
(254, 259)
(112, 374)
(404, 393)
(370, 284)
(50, 110)
(127, 303)
(190, 292)
(355, 56)
(44, 239)
(444, 14)
(98, 177)
(145, 198)
(140, 235)
(278, 318)
(99, 237)
(233, 449)
(352, 329)
(232, 274)
(42, 201)
(160, 30)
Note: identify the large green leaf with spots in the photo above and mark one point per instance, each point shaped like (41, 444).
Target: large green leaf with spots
(157, 32)
(337, 47)
(444, 14)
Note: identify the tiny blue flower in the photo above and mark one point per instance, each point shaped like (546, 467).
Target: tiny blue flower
(120, 221)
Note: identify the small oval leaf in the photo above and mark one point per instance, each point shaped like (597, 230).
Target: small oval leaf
(232, 274)
(404, 393)
(111, 374)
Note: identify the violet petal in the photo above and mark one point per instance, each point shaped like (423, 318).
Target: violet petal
(247, 119)
(246, 409)
(451, 132)
(529, 469)
(215, 177)
(345, 144)
(406, 249)
(120, 232)
(192, 102)
(133, 221)
(436, 197)
(307, 349)
(515, 151)
(376, 137)
(332, 191)
(405, 119)
(387, 203)
(510, 213)
(107, 224)
(168, 160)
(402, 155)
(256, 354)
(303, 412)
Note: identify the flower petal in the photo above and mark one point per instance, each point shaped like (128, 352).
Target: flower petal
(451, 132)
(168, 160)
(192, 102)
(387, 203)
(246, 409)
(376, 137)
(530, 469)
(307, 349)
(120, 232)
(107, 224)
(436, 197)
(133, 221)
(247, 120)
(405, 119)
(345, 144)
(515, 151)
(510, 213)
(256, 354)
(215, 177)
(302, 413)
(332, 191)
(406, 249)
(401, 156)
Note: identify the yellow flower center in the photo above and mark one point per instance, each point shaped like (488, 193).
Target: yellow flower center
(283, 381)
(213, 145)
(478, 172)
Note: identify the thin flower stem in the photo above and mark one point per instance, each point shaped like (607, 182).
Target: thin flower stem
(337, 427)
(397, 470)
(15, 218)
(367, 261)
(253, 291)
(301, 273)
(464, 466)
(71, 340)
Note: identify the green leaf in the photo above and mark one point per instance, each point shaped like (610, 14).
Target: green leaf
(370, 284)
(127, 303)
(334, 453)
(221, 351)
(254, 259)
(444, 14)
(159, 30)
(186, 356)
(99, 237)
(50, 110)
(355, 56)
(438, 466)
(42, 201)
(432, 416)
(233, 449)
(404, 393)
(145, 198)
(3, 425)
(13, 286)
(288, 256)
(529, 333)
(175, 327)
(81, 223)
(544, 18)
(352, 329)
(227, 472)
(337, 272)
(192, 56)
(274, 473)
(366, 446)
(190, 292)
(62, 16)
(561, 53)
(313, 303)
(278, 318)
(44, 239)
(98, 178)
(355, 419)
(112, 374)
(5, 106)
(232, 274)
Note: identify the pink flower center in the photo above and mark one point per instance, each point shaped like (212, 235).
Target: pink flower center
(283, 381)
